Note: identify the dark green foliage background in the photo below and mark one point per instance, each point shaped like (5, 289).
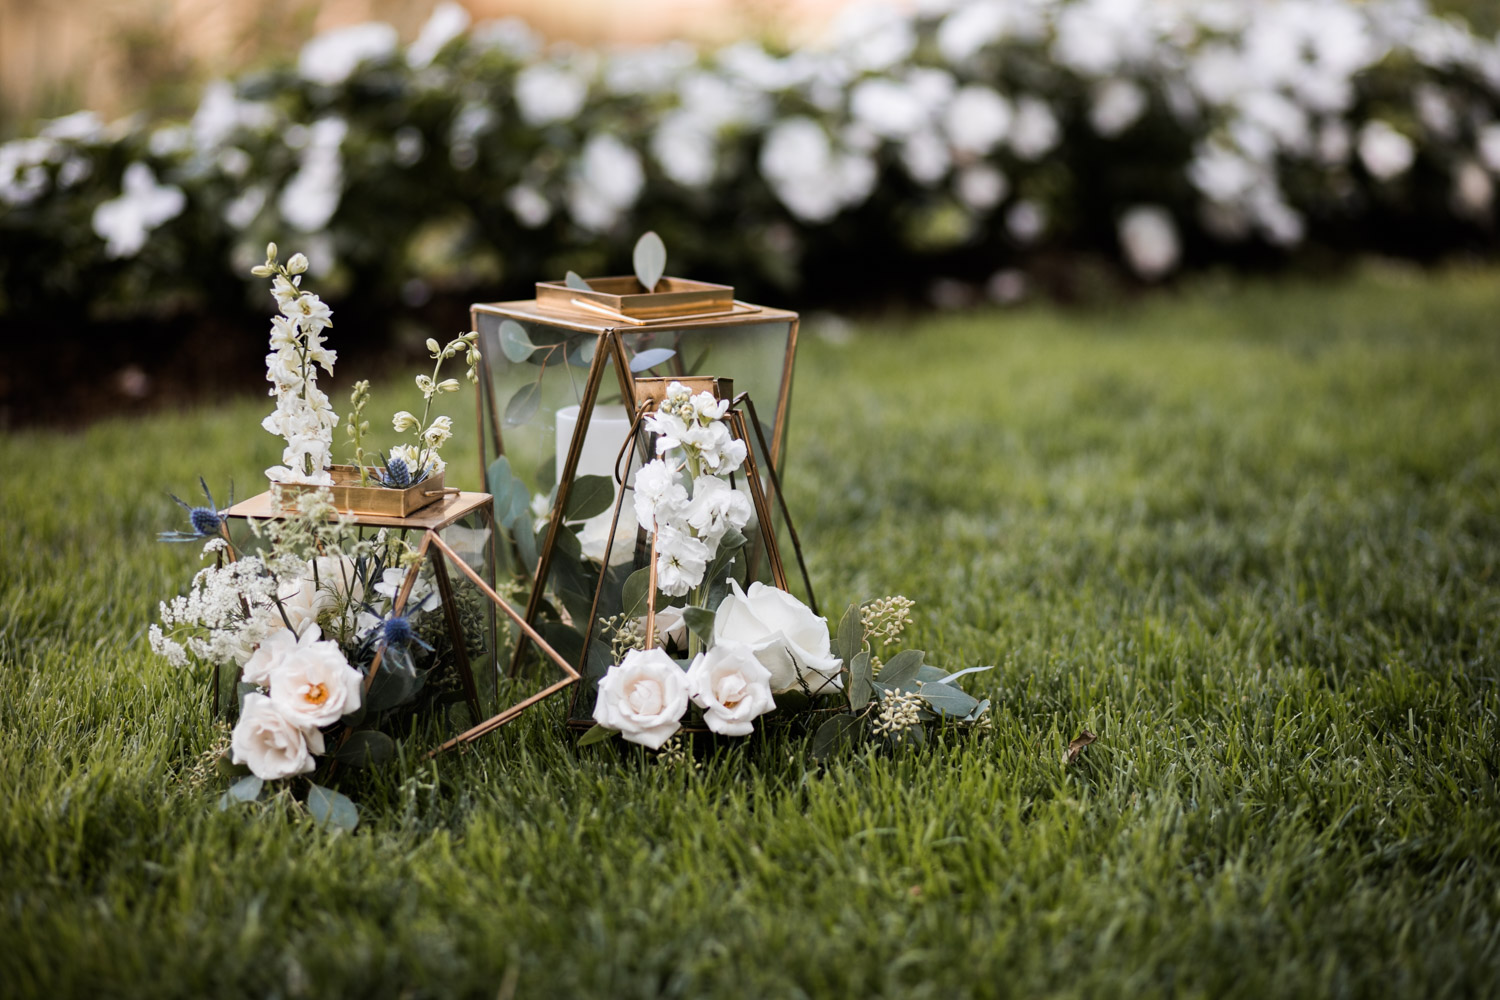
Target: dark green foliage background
(1249, 535)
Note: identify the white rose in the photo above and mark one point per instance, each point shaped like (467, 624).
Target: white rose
(271, 744)
(670, 625)
(314, 685)
(643, 698)
(784, 634)
(271, 651)
(732, 687)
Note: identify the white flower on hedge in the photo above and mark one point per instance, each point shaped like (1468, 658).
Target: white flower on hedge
(312, 195)
(887, 107)
(681, 560)
(272, 745)
(530, 207)
(732, 687)
(643, 698)
(331, 57)
(981, 186)
(971, 27)
(1034, 130)
(607, 180)
(313, 684)
(786, 637)
(125, 222)
(874, 36)
(809, 176)
(448, 21)
(977, 119)
(1026, 221)
(926, 157)
(1385, 152)
(1149, 239)
(1473, 192)
(1488, 142)
(686, 151)
(1116, 105)
(547, 93)
(716, 507)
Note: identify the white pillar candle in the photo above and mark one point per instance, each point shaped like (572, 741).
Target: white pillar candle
(608, 428)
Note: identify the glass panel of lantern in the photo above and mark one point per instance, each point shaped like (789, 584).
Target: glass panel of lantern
(558, 391)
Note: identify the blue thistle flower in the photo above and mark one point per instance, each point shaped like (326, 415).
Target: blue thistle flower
(206, 521)
(397, 631)
(396, 475)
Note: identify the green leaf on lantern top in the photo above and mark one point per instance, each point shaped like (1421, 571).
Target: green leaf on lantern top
(574, 281)
(332, 808)
(700, 622)
(650, 258)
(590, 496)
(650, 359)
(515, 343)
(598, 734)
(522, 405)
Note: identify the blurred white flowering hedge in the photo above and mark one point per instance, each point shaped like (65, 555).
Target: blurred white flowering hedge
(971, 138)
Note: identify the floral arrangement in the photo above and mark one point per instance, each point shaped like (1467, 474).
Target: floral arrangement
(303, 414)
(303, 621)
(968, 139)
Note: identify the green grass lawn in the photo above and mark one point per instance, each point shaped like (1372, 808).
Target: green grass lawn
(1249, 535)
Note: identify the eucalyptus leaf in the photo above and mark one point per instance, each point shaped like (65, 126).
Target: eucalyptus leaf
(598, 734)
(930, 674)
(590, 496)
(833, 735)
(522, 405)
(247, 789)
(980, 709)
(515, 343)
(700, 622)
(574, 281)
(964, 673)
(650, 259)
(225, 767)
(947, 700)
(647, 360)
(861, 683)
(633, 594)
(366, 748)
(584, 353)
(546, 472)
(851, 635)
(520, 531)
(332, 808)
(902, 668)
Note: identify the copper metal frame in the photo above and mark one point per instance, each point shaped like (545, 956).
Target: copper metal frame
(610, 347)
(570, 676)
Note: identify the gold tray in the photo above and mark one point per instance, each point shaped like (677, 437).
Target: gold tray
(351, 498)
(625, 298)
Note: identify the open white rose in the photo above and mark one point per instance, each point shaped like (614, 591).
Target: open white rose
(314, 685)
(790, 640)
(643, 697)
(732, 687)
(671, 627)
(272, 650)
(271, 744)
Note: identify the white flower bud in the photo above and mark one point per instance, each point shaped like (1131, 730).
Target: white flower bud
(448, 385)
(297, 264)
(432, 345)
(270, 253)
(403, 422)
(262, 271)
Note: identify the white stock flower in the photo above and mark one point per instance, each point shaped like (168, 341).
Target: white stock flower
(1385, 152)
(272, 745)
(1149, 239)
(331, 57)
(791, 641)
(643, 698)
(659, 494)
(681, 560)
(732, 687)
(715, 508)
(313, 684)
(125, 222)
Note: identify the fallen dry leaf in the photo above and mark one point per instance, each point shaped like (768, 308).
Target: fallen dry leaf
(1076, 747)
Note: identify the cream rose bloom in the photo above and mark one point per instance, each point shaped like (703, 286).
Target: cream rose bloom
(732, 687)
(643, 697)
(314, 685)
(271, 651)
(785, 636)
(272, 745)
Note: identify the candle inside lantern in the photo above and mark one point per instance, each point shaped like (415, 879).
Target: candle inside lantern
(608, 428)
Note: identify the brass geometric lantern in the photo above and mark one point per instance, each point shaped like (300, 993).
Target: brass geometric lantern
(558, 408)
